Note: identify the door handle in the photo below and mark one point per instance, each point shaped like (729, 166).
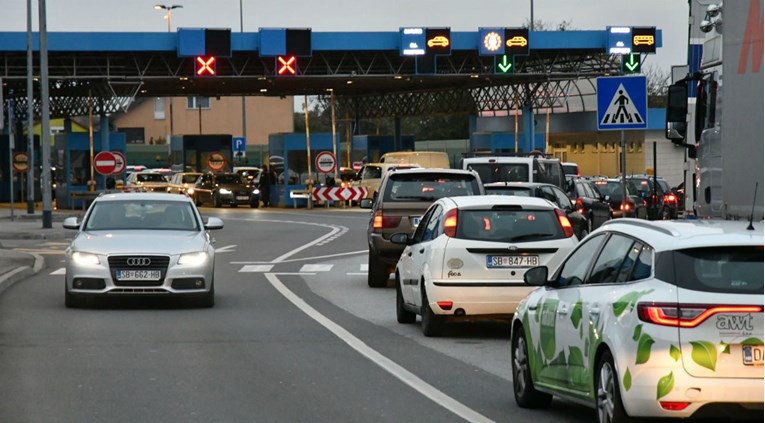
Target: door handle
(595, 311)
(409, 254)
(563, 311)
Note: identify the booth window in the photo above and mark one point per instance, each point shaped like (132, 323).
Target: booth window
(197, 102)
(159, 108)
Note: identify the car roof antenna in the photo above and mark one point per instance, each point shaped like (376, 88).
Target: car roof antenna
(754, 202)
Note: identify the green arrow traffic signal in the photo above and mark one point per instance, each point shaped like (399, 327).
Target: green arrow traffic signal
(630, 63)
(504, 64)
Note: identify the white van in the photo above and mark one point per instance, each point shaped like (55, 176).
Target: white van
(427, 159)
(517, 169)
(371, 174)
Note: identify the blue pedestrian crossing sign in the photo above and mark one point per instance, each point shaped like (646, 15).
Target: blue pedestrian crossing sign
(622, 103)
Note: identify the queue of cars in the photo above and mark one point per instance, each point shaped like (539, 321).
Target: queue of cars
(634, 318)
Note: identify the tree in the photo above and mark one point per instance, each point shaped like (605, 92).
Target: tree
(549, 26)
(657, 81)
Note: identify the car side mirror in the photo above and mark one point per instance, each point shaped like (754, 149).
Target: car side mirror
(365, 203)
(536, 276)
(400, 239)
(213, 223)
(71, 223)
(606, 198)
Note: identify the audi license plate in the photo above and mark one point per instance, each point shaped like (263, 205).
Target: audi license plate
(138, 275)
(242, 197)
(753, 355)
(512, 261)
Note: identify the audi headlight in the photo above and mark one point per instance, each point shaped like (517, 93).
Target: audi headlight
(256, 191)
(193, 259)
(190, 191)
(85, 258)
(225, 191)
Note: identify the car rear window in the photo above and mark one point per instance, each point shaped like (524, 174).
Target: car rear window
(736, 270)
(571, 169)
(229, 179)
(190, 179)
(612, 189)
(502, 172)
(429, 186)
(505, 190)
(511, 224)
(151, 177)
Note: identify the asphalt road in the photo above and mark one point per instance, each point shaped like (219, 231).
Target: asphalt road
(295, 336)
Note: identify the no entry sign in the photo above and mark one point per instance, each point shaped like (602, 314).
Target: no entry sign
(20, 162)
(105, 163)
(325, 162)
(216, 161)
(121, 162)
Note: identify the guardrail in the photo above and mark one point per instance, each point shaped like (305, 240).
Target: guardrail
(302, 194)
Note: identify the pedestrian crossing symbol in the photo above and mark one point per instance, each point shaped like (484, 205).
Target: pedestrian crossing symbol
(622, 103)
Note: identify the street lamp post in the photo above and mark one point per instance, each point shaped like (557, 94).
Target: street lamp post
(168, 16)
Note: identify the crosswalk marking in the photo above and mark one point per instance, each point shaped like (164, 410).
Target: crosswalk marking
(256, 268)
(316, 268)
(61, 271)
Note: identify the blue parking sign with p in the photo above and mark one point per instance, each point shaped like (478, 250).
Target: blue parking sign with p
(238, 144)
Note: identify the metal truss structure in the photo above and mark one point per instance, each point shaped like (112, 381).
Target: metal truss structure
(365, 84)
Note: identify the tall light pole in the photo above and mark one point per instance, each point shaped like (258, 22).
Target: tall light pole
(168, 17)
(168, 12)
(244, 98)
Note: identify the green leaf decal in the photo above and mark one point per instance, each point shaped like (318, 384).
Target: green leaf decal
(751, 341)
(636, 335)
(665, 385)
(704, 353)
(619, 307)
(586, 346)
(644, 349)
(628, 299)
(674, 352)
(560, 360)
(724, 348)
(581, 331)
(575, 357)
(576, 314)
(627, 380)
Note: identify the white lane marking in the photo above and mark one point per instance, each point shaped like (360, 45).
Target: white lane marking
(365, 267)
(256, 268)
(357, 273)
(292, 273)
(226, 249)
(316, 268)
(61, 271)
(351, 253)
(384, 362)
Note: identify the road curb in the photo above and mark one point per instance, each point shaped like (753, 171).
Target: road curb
(8, 279)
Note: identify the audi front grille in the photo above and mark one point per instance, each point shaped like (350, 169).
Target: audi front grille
(138, 262)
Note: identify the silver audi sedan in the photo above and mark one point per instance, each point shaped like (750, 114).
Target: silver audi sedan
(141, 244)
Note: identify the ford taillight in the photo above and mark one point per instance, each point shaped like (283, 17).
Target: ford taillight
(579, 205)
(687, 315)
(670, 198)
(381, 221)
(450, 223)
(565, 224)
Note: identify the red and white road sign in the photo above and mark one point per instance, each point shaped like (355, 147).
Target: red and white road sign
(339, 193)
(121, 162)
(216, 161)
(325, 162)
(20, 162)
(104, 163)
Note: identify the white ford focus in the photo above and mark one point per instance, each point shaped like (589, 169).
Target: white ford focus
(467, 258)
(141, 244)
(648, 319)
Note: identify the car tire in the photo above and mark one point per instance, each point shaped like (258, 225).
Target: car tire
(523, 388)
(208, 299)
(255, 204)
(402, 314)
(377, 273)
(608, 399)
(234, 205)
(216, 200)
(73, 300)
(431, 322)
(665, 213)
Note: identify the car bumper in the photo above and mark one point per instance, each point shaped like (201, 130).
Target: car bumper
(177, 279)
(477, 298)
(234, 198)
(703, 394)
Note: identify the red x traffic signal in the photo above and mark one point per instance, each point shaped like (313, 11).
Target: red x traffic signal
(205, 66)
(287, 65)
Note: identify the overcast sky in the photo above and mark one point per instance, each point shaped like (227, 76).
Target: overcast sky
(671, 16)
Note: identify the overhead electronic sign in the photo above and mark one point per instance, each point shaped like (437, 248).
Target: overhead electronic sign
(505, 64)
(517, 41)
(643, 39)
(205, 66)
(285, 42)
(491, 41)
(413, 41)
(631, 63)
(286, 65)
(619, 40)
(438, 41)
(204, 42)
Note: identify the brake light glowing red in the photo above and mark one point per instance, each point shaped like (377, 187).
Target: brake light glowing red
(445, 305)
(674, 406)
(450, 223)
(579, 205)
(687, 315)
(625, 206)
(381, 221)
(670, 198)
(565, 224)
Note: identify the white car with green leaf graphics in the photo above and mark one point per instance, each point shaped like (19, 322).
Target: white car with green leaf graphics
(648, 319)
